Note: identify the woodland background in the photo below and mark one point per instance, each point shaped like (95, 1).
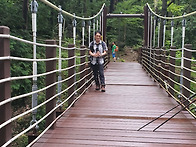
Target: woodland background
(16, 15)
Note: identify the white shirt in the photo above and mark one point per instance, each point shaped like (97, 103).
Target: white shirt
(101, 50)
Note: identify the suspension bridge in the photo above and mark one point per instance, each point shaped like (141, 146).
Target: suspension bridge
(148, 103)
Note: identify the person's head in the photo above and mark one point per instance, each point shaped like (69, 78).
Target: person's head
(98, 36)
(113, 43)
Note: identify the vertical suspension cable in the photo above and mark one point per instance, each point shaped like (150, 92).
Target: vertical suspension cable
(172, 32)
(148, 28)
(97, 23)
(159, 27)
(93, 27)
(60, 22)
(154, 35)
(74, 30)
(182, 57)
(89, 32)
(83, 25)
(34, 6)
(100, 22)
(164, 31)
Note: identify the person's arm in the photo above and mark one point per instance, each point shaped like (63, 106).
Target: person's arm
(104, 53)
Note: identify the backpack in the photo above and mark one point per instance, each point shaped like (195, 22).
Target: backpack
(116, 49)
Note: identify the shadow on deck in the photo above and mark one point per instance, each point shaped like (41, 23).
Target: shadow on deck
(112, 118)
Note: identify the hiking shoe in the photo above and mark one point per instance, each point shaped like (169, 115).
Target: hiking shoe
(102, 88)
(97, 87)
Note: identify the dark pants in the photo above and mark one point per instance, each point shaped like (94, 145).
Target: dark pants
(98, 74)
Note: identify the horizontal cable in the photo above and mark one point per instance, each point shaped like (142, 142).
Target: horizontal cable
(189, 50)
(58, 117)
(33, 43)
(26, 59)
(30, 127)
(192, 60)
(69, 14)
(176, 75)
(171, 18)
(28, 94)
(169, 85)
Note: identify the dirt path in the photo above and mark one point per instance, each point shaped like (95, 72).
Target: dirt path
(128, 55)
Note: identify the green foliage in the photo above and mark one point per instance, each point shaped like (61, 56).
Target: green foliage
(124, 31)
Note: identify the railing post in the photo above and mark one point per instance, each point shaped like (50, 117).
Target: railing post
(157, 62)
(163, 66)
(71, 72)
(172, 69)
(187, 73)
(82, 67)
(50, 79)
(5, 90)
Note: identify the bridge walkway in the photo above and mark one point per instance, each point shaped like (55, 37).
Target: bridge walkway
(112, 118)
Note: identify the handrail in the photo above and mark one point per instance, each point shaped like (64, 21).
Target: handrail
(71, 15)
(170, 18)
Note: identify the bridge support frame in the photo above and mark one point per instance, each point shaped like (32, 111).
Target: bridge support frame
(5, 89)
(71, 72)
(50, 79)
(172, 69)
(82, 67)
(187, 73)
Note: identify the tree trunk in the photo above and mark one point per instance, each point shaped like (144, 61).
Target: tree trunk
(25, 13)
(111, 6)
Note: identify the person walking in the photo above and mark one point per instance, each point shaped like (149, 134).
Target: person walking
(98, 49)
(113, 51)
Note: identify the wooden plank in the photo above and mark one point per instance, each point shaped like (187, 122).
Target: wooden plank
(112, 118)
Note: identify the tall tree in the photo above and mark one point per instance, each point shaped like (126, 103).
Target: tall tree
(25, 13)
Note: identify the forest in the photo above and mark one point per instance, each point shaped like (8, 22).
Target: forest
(16, 14)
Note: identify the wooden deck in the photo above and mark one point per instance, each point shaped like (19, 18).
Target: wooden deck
(112, 118)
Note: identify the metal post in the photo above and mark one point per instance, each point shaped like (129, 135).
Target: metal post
(159, 27)
(50, 79)
(93, 27)
(83, 25)
(5, 88)
(154, 36)
(148, 29)
(182, 58)
(89, 32)
(100, 22)
(102, 17)
(60, 21)
(164, 30)
(97, 24)
(34, 6)
(172, 32)
(74, 30)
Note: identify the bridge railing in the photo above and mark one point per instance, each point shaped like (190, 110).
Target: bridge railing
(64, 84)
(173, 68)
